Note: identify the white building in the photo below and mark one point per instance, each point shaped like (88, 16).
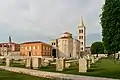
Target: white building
(66, 46)
(76, 48)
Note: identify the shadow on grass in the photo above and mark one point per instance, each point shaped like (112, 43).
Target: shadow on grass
(94, 69)
(18, 65)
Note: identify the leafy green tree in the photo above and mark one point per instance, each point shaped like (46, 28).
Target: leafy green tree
(97, 48)
(110, 22)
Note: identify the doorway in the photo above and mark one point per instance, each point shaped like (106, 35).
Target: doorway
(54, 53)
(29, 54)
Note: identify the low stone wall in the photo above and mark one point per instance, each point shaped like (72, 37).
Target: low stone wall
(51, 74)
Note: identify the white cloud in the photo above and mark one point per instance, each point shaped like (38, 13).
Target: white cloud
(28, 19)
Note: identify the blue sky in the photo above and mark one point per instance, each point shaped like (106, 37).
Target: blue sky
(27, 20)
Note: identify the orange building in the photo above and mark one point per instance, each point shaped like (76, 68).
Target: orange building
(37, 48)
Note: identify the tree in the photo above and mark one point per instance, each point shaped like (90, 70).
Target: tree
(110, 22)
(97, 48)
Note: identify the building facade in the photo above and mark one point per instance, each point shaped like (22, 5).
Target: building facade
(76, 48)
(54, 44)
(37, 48)
(66, 46)
(6, 48)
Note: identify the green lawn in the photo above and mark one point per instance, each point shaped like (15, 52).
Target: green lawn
(7, 75)
(102, 68)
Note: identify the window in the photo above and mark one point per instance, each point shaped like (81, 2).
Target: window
(38, 47)
(22, 47)
(43, 47)
(80, 37)
(82, 48)
(26, 48)
(52, 44)
(30, 48)
(82, 43)
(80, 31)
(46, 48)
(34, 47)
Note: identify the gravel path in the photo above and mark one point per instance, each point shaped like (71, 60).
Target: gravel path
(52, 74)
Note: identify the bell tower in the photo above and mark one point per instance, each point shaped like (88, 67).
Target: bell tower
(82, 35)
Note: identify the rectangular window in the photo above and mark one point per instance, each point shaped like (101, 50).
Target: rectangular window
(34, 47)
(80, 31)
(38, 47)
(52, 43)
(82, 48)
(43, 48)
(80, 37)
(81, 43)
(46, 48)
(26, 48)
(30, 48)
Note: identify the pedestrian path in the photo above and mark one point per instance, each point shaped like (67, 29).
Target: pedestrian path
(51, 74)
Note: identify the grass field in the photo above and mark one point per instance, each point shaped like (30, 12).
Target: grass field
(7, 75)
(103, 68)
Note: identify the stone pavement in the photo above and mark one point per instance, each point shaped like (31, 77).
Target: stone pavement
(58, 76)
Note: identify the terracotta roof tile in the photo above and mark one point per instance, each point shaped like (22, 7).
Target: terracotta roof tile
(32, 42)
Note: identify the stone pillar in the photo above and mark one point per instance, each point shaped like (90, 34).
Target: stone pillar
(36, 62)
(92, 60)
(82, 65)
(8, 62)
(28, 63)
(60, 64)
(88, 63)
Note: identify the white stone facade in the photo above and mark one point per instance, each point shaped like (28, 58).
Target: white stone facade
(82, 35)
(76, 48)
(65, 47)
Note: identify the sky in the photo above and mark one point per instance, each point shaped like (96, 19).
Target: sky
(31, 20)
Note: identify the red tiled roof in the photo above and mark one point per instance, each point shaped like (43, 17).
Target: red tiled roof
(8, 43)
(67, 33)
(35, 42)
(32, 42)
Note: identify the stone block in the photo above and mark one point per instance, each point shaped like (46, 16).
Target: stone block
(23, 61)
(28, 63)
(36, 63)
(92, 60)
(67, 65)
(88, 63)
(60, 64)
(82, 65)
(8, 62)
(45, 63)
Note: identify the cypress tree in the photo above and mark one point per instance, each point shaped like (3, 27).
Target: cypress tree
(110, 22)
